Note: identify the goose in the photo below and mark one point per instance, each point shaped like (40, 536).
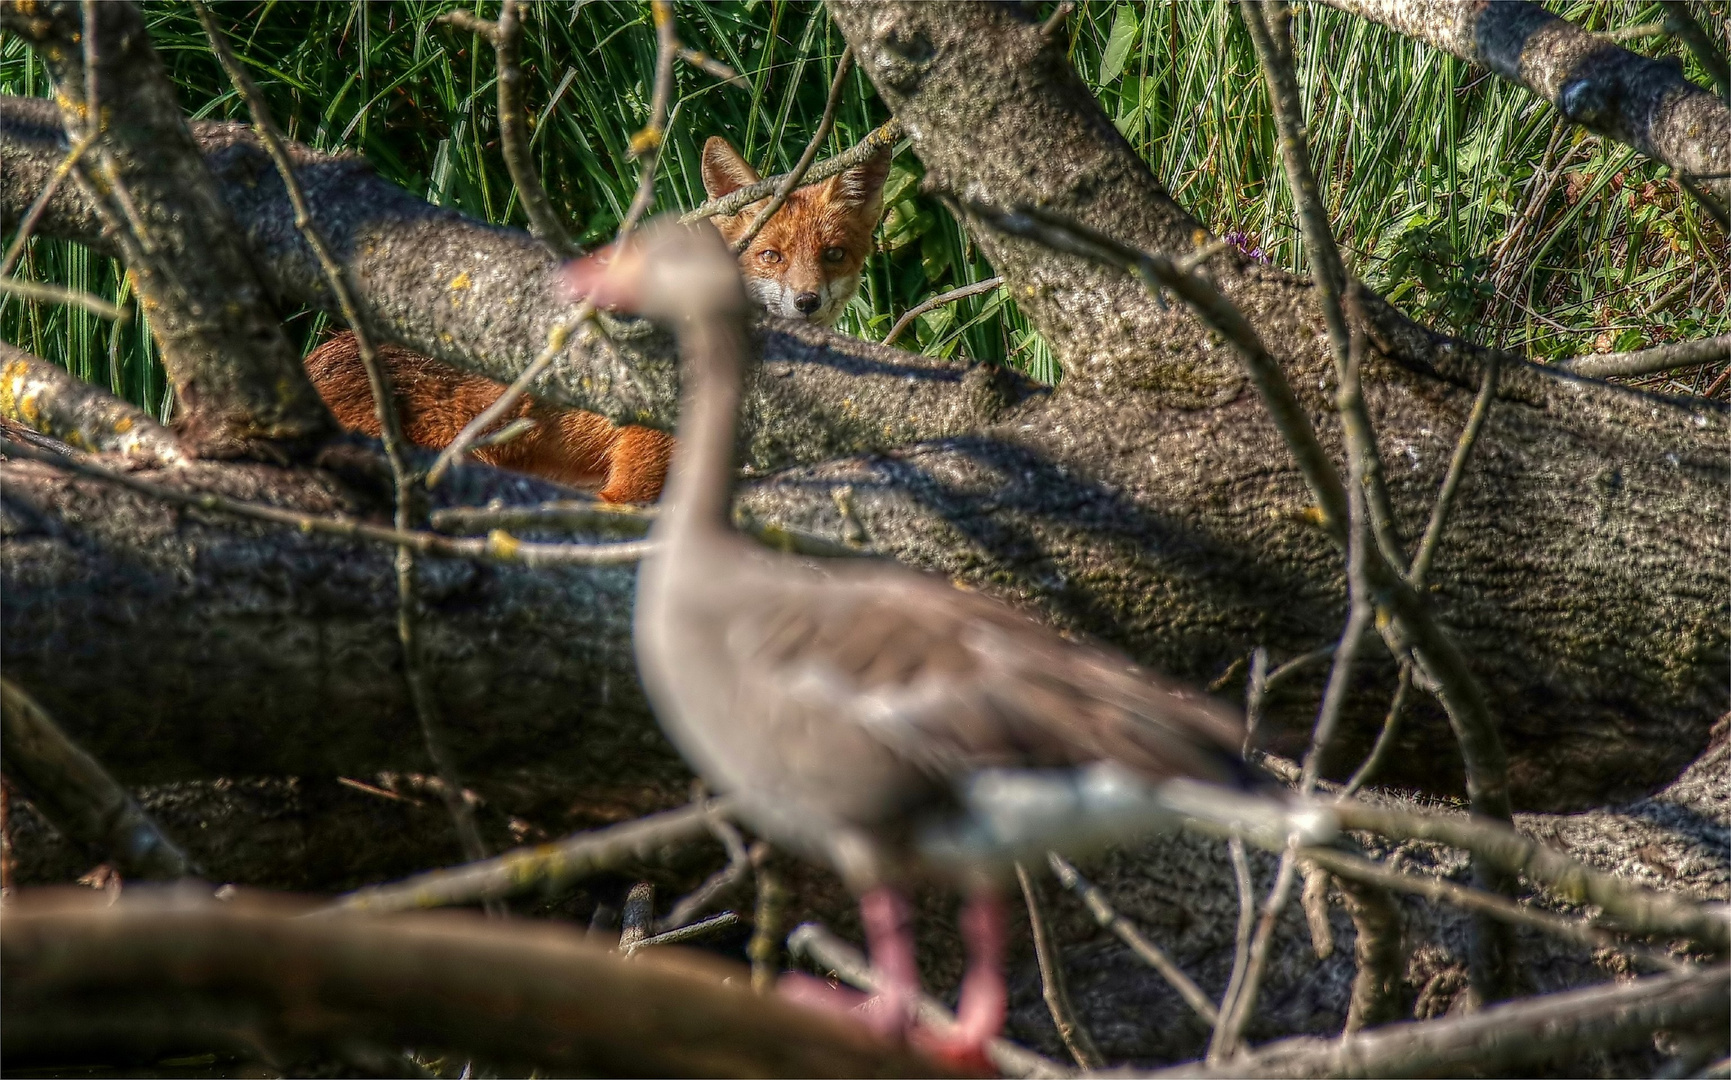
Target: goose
(878, 718)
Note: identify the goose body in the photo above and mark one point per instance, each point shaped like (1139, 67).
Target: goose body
(875, 717)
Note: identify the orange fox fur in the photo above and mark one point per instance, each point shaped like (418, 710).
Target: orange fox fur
(804, 264)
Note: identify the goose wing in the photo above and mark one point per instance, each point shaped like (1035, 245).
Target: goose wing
(913, 686)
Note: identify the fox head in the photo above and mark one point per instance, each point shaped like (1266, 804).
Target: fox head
(805, 263)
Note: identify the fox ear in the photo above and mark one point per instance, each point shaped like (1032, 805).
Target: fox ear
(863, 185)
(724, 171)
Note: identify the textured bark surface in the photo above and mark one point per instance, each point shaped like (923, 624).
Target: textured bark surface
(1594, 82)
(483, 298)
(1148, 502)
(239, 669)
(199, 289)
(56, 402)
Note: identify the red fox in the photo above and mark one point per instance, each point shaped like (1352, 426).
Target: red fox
(804, 264)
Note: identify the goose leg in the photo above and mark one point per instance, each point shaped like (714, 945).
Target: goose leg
(984, 998)
(889, 936)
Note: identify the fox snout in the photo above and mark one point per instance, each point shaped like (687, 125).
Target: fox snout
(805, 262)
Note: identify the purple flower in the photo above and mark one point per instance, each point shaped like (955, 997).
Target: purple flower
(1241, 240)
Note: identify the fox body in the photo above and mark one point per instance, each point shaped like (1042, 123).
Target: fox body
(804, 264)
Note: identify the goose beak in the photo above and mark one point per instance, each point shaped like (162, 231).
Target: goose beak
(664, 270)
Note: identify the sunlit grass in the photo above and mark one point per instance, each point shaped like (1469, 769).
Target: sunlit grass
(1428, 163)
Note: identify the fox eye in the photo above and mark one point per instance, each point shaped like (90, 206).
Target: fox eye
(834, 254)
(769, 256)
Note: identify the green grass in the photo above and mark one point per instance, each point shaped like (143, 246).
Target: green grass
(1428, 163)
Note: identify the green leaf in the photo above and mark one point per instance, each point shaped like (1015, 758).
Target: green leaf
(1125, 30)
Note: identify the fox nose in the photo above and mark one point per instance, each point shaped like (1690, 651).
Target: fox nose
(807, 302)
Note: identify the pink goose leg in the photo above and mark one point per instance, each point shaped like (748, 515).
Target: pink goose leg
(889, 935)
(984, 999)
(890, 950)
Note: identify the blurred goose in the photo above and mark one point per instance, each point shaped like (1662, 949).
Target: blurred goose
(878, 718)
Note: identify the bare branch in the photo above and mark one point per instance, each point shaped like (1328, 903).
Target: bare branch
(1633, 908)
(238, 378)
(646, 144)
(76, 794)
(1682, 354)
(1071, 1031)
(549, 867)
(390, 430)
(624, 519)
(1219, 1048)
(727, 920)
(57, 294)
(796, 175)
(734, 201)
(1532, 1031)
(52, 400)
(544, 222)
(938, 301)
(1646, 104)
(175, 970)
(1354, 868)
(31, 216)
(497, 547)
(558, 336)
(1126, 931)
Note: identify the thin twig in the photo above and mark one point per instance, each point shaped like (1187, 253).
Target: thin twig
(1408, 617)
(1055, 21)
(764, 949)
(59, 294)
(826, 951)
(558, 336)
(1681, 354)
(77, 795)
(1384, 738)
(625, 520)
(1218, 1049)
(1346, 865)
(548, 867)
(506, 36)
(34, 213)
(718, 883)
(797, 174)
(646, 144)
(1270, 33)
(638, 915)
(708, 64)
(1071, 1031)
(390, 431)
(1633, 908)
(1109, 918)
(1544, 1032)
(1255, 696)
(1242, 1004)
(497, 547)
(937, 301)
(1433, 532)
(733, 202)
(686, 933)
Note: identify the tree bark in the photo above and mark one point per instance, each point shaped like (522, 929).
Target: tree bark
(1147, 501)
(1592, 81)
(482, 299)
(241, 387)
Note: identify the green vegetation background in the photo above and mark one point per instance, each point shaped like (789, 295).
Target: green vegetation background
(1459, 196)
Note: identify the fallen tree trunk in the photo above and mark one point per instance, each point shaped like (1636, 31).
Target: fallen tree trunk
(1147, 501)
(175, 971)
